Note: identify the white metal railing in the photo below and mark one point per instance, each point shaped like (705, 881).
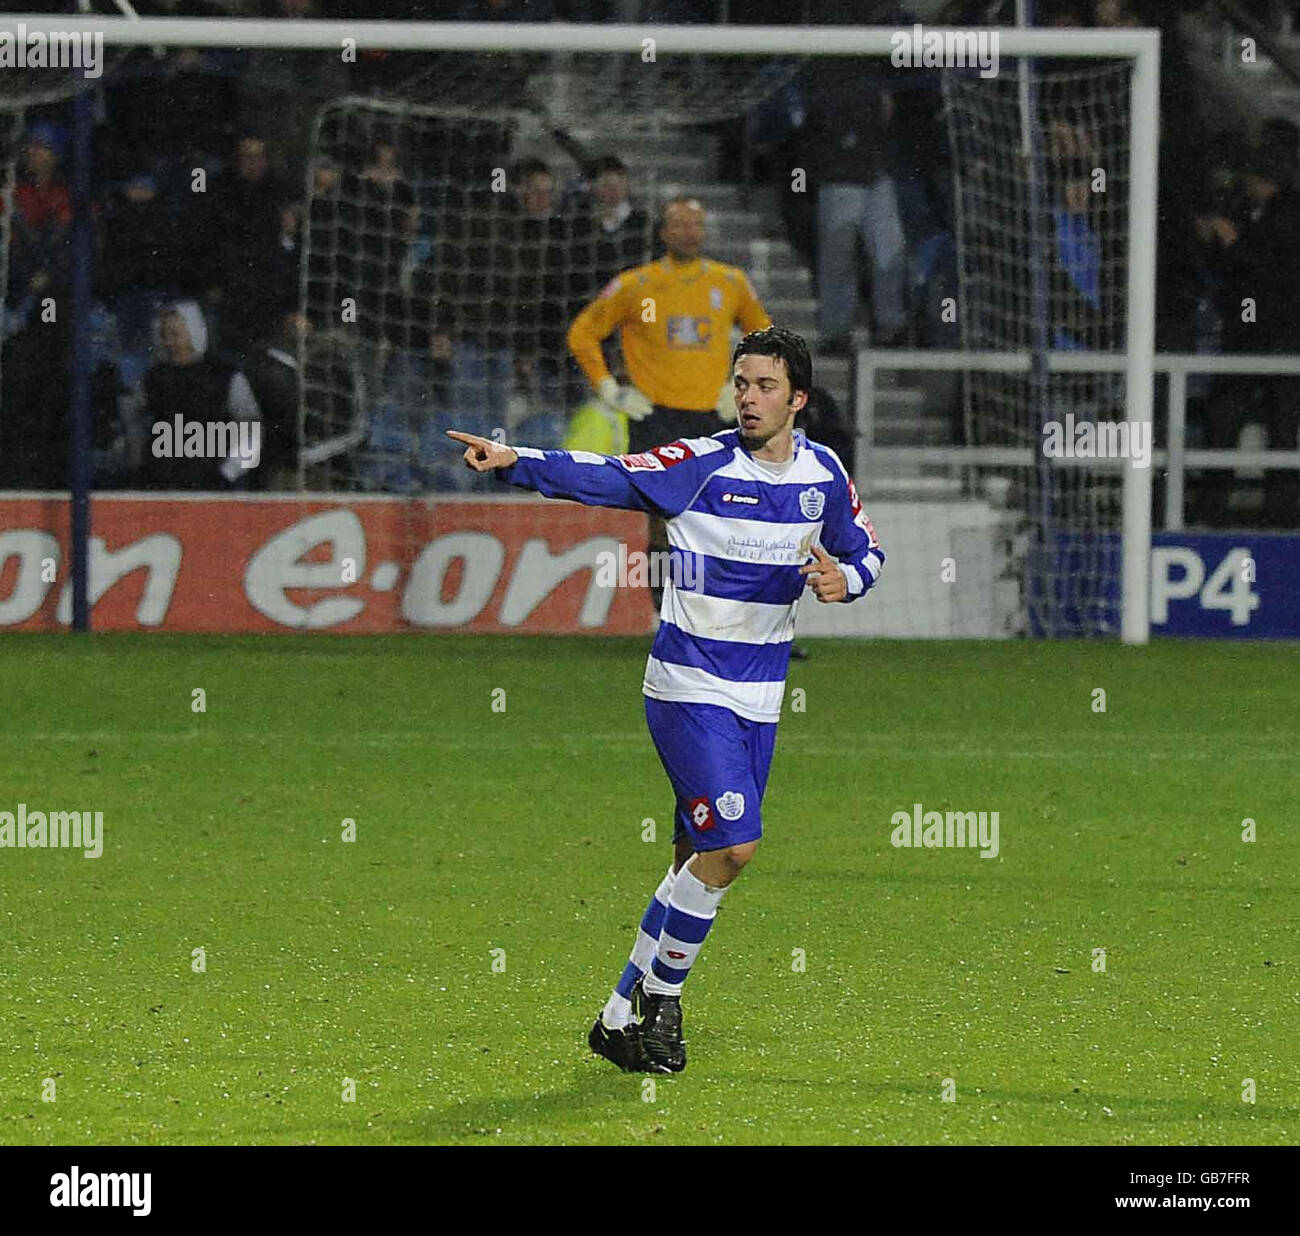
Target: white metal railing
(1176, 457)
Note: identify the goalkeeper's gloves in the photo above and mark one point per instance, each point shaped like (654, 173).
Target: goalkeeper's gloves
(626, 399)
(726, 405)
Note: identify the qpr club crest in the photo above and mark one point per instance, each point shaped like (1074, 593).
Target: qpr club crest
(715, 297)
(731, 806)
(812, 502)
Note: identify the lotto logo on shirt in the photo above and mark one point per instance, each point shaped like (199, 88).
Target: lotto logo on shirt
(701, 814)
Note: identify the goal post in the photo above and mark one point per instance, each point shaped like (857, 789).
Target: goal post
(1138, 47)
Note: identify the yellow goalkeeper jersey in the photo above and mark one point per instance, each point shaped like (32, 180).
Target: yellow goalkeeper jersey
(676, 319)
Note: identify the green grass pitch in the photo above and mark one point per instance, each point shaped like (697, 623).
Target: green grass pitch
(521, 830)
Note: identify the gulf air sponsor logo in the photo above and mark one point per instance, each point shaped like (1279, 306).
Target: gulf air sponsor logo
(760, 549)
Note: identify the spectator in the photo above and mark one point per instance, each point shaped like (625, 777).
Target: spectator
(464, 292)
(247, 217)
(541, 244)
(382, 202)
(39, 253)
(273, 378)
(1079, 282)
(843, 146)
(185, 381)
(330, 266)
(137, 264)
(35, 389)
(290, 86)
(610, 235)
(1261, 281)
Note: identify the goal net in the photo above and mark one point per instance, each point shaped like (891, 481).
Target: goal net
(473, 187)
(1040, 161)
(461, 215)
(1019, 253)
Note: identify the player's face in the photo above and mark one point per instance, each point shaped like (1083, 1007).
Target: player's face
(683, 230)
(764, 399)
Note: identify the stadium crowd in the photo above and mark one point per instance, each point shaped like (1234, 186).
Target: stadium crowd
(462, 292)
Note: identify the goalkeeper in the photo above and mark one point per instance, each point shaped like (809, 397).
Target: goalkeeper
(676, 316)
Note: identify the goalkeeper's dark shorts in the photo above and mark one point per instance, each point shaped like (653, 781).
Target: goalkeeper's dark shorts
(665, 425)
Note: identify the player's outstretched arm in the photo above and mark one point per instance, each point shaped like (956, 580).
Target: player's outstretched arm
(482, 454)
(661, 481)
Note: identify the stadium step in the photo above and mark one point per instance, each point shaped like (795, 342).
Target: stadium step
(796, 313)
(729, 222)
(915, 488)
(716, 198)
(671, 173)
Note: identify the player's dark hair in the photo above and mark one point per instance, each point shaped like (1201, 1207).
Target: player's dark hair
(608, 163)
(780, 344)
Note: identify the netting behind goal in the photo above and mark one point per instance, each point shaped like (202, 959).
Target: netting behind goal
(454, 228)
(1041, 157)
(450, 228)
(422, 256)
(449, 267)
